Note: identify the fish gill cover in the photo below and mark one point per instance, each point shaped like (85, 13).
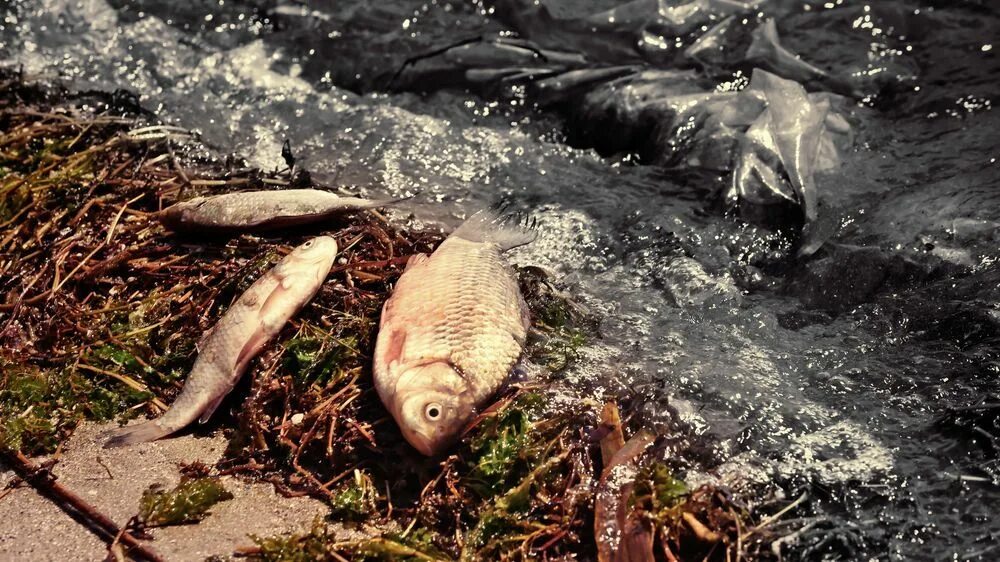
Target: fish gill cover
(103, 309)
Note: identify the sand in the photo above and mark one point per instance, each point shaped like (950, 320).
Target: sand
(33, 528)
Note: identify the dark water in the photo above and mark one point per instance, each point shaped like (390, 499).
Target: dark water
(858, 375)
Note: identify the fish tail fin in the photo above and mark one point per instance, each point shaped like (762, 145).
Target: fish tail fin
(149, 431)
(505, 230)
(376, 203)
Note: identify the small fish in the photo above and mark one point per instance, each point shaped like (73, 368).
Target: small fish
(261, 210)
(451, 332)
(226, 350)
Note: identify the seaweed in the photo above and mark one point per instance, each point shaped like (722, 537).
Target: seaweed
(308, 546)
(101, 311)
(40, 407)
(561, 326)
(355, 500)
(189, 502)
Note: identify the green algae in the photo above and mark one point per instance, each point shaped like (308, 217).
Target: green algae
(39, 408)
(560, 326)
(502, 443)
(320, 542)
(307, 546)
(316, 356)
(189, 502)
(413, 546)
(658, 492)
(356, 500)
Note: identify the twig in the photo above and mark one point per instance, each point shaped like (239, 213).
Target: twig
(775, 517)
(75, 506)
(127, 381)
(703, 533)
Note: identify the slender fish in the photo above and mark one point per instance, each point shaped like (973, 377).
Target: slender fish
(260, 210)
(226, 350)
(451, 332)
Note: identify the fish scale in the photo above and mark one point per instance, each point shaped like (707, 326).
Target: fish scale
(225, 351)
(452, 331)
(262, 210)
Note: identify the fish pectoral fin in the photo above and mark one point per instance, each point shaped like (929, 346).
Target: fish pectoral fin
(271, 310)
(250, 350)
(212, 407)
(415, 260)
(394, 351)
(269, 320)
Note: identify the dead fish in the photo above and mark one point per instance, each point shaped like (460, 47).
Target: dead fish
(452, 331)
(226, 350)
(261, 210)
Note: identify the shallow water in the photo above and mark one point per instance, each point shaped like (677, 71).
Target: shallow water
(834, 375)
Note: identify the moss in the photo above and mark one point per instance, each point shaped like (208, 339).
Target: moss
(315, 356)
(38, 407)
(355, 500)
(659, 492)
(118, 358)
(522, 463)
(561, 326)
(298, 547)
(320, 542)
(501, 444)
(557, 349)
(189, 502)
(418, 545)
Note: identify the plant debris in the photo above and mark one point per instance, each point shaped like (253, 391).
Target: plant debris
(101, 310)
(189, 502)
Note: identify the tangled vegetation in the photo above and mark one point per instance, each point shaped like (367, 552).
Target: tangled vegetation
(189, 502)
(101, 310)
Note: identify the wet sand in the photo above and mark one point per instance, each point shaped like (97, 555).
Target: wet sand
(112, 480)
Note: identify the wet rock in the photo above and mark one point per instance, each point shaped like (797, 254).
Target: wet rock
(649, 30)
(978, 422)
(493, 66)
(851, 275)
(774, 136)
(640, 113)
(798, 319)
(960, 308)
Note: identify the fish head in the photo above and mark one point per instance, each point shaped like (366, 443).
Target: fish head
(314, 254)
(432, 406)
(173, 216)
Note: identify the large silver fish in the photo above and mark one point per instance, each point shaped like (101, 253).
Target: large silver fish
(451, 332)
(260, 210)
(252, 321)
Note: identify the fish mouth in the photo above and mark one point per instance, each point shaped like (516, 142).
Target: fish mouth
(424, 444)
(171, 216)
(428, 445)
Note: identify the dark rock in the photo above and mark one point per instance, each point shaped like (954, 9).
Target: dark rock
(851, 275)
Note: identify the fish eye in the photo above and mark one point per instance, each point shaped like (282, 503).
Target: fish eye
(433, 411)
(308, 244)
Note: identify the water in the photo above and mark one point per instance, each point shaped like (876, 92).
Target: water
(837, 375)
